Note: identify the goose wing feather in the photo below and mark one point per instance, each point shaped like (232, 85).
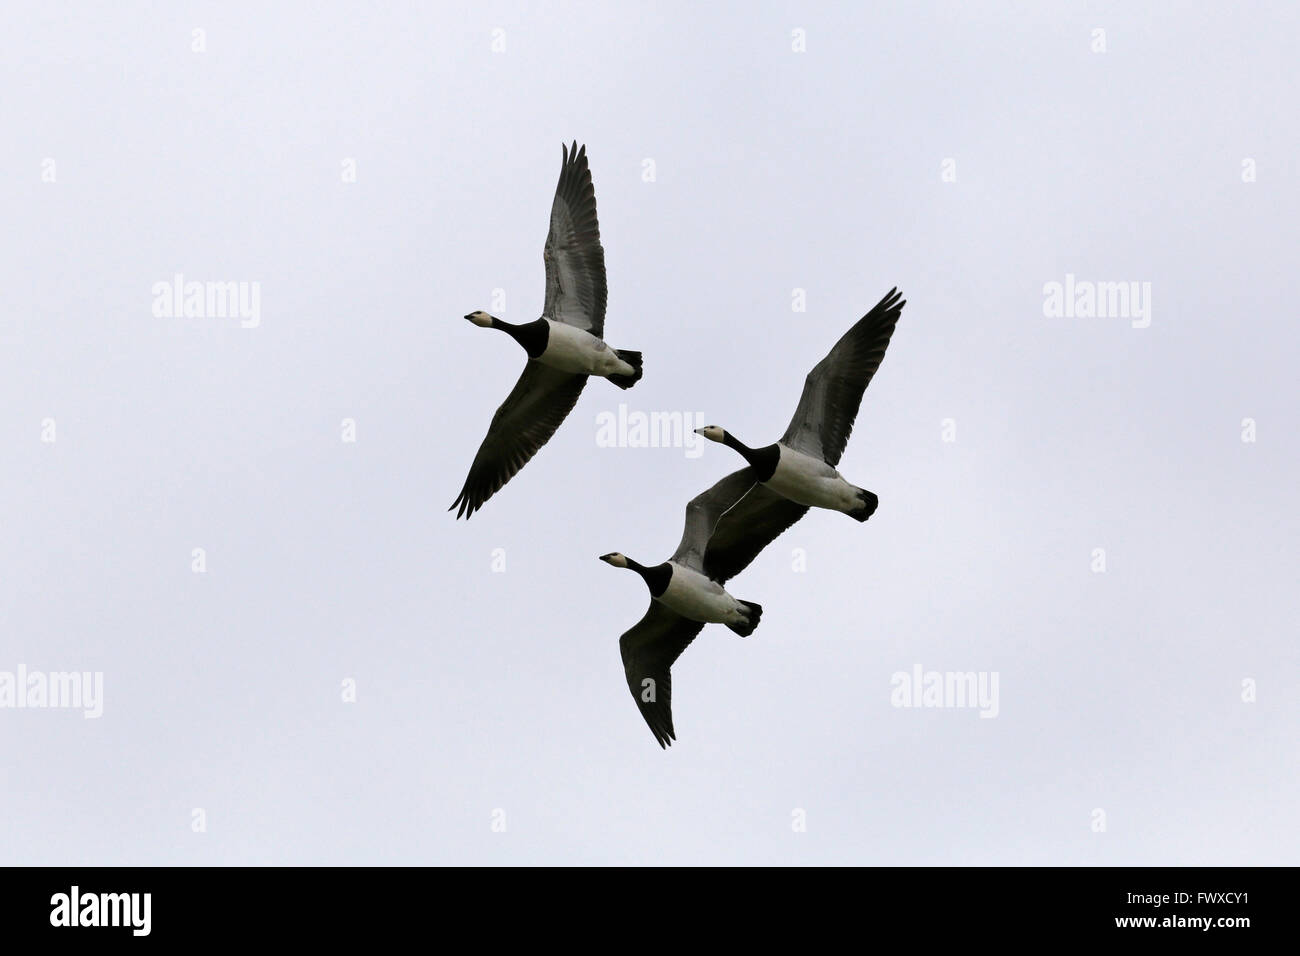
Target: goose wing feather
(526, 420)
(833, 390)
(731, 523)
(703, 512)
(649, 650)
(745, 529)
(575, 260)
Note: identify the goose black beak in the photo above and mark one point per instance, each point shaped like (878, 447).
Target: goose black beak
(699, 431)
(470, 317)
(607, 558)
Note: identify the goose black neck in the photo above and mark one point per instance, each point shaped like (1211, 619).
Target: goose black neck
(532, 336)
(762, 460)
(656, 578)
(731, 441)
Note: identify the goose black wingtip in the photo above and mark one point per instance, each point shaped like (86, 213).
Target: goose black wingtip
(462, 500)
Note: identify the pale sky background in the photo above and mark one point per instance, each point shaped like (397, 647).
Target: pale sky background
(774, 170)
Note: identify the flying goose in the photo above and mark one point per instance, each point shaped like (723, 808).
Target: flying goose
(801, 466)
(726, 527)
(564, 346)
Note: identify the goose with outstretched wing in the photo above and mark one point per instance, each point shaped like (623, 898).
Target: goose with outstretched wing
(565, 346)
(726, 527)
(801, 466)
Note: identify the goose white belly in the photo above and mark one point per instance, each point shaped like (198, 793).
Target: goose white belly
(700, 598)
(578, 351)
(810, 481)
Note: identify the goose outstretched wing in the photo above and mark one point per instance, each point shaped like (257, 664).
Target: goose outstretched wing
(575, 261)
(649, 650)
(833, 390)
(703, 512)
(746, 528)
(728, 525)
(526, 420)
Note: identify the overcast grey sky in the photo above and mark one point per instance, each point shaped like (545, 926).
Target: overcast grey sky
(970, 154)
